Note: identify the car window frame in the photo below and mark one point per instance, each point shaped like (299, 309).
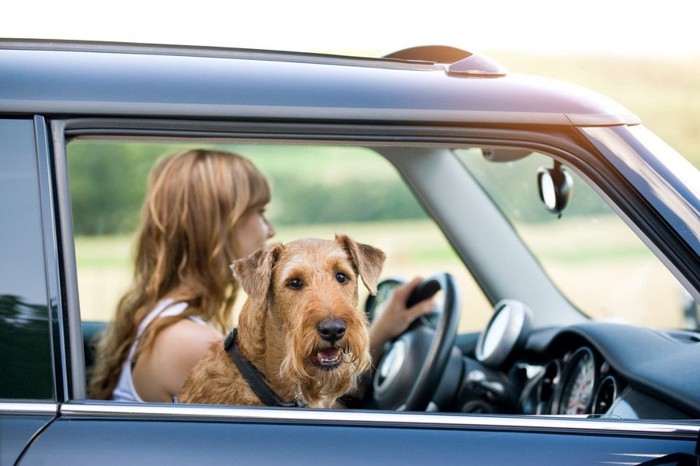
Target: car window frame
(557, 143)
(374, 136)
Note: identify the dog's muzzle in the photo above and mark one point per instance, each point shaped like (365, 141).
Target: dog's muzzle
(331, 330)
(327, 358)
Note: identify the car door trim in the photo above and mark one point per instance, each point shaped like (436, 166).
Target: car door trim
(23, 408)
(378, 419)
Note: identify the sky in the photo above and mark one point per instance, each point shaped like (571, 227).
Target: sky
(372, 27)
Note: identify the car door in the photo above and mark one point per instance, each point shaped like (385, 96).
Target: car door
(109, 434)
(27, 299)
(89, 431)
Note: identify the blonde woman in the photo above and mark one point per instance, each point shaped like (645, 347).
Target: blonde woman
(203, 209)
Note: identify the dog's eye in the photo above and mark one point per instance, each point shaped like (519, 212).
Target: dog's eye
(295, 284)
(341, 277)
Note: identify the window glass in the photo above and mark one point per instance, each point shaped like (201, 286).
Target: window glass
(25, 351)
(589, 252)
(317, 191)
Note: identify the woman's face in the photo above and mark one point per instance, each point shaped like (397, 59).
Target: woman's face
(252, 231)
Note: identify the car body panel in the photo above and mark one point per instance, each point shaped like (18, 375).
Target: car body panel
(19, 425)
(247, 435)
(100, 81)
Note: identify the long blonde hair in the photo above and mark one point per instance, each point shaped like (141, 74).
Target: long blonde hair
(183, 248)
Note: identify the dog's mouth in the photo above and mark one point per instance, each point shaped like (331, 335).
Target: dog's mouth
(327, 358)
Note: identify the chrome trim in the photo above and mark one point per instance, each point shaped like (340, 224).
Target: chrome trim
(18, 407)
(379, 419)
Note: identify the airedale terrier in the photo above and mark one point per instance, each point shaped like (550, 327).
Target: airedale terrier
(301, 340)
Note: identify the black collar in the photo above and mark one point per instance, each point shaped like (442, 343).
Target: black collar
(256, 380)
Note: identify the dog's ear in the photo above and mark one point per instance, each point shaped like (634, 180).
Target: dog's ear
(368, 260)
(254, 271)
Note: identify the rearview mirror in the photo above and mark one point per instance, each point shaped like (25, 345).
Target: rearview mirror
(555, 187)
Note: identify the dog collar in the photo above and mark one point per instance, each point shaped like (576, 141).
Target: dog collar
(251, 374)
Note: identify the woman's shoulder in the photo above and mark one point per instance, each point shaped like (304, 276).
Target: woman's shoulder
(186, 336)
(160, 372)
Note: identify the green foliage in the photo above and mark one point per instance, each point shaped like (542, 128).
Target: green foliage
(347, 201)
(107, 183)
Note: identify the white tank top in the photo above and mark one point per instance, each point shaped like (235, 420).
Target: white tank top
(125, 390)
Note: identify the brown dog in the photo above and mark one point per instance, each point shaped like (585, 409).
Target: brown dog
(300, 327)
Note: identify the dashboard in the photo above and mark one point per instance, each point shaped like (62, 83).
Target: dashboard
(595, 369)
(590, 369)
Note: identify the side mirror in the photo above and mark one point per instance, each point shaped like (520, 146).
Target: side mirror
(555, 186)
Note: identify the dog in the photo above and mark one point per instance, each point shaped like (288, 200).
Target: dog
(300, 340)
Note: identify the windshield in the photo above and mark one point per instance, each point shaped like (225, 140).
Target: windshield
(590, 254)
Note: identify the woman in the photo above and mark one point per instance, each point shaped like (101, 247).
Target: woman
(203, 209)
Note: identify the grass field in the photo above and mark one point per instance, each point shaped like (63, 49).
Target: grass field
(613, 279)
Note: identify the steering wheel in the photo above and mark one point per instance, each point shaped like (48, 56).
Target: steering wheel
(412, 365)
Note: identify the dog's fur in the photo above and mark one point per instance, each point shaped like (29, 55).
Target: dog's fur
(278, 327)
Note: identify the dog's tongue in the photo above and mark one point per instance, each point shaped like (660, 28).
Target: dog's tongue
(329, 356)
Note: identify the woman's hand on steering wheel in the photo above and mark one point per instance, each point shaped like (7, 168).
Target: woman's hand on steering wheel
(396, 317)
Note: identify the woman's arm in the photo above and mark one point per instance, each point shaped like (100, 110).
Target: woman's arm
(160, 373)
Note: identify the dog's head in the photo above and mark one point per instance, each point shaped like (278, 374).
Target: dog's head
(303, 310)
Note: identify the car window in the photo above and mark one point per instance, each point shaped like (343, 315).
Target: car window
(25, 351)
(317, 191)
(595, 259)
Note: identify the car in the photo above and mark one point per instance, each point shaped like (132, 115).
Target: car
(559, 236)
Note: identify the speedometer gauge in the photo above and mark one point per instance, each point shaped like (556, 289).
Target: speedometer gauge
(579, 381)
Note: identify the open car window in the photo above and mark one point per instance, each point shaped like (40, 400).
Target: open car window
(537, 283)
(316, 191)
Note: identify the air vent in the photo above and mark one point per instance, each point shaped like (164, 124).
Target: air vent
(605, 396)
(547, 386)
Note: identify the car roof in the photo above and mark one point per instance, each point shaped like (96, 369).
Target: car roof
(81, 78)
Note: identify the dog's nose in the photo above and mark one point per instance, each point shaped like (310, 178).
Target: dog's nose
(331, 329)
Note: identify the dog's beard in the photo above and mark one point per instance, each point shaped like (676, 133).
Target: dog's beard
(318, 384)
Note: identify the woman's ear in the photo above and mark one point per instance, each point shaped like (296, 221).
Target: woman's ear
(367, 259)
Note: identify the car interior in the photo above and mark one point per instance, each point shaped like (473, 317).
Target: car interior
(548, 301)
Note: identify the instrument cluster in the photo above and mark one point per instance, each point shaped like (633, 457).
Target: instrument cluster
(579, 383)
